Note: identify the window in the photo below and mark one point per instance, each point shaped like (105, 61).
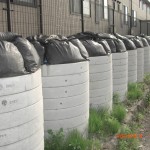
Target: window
(105, 4)
(134, 20)
(118, 6)
(86, 7)
(76, 7)
(140, 4)
(23, 2)
(125, 8)
(144, 6)
(26, 1)
(97, 11)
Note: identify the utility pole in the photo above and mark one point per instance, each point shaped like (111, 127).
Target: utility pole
(82, 16)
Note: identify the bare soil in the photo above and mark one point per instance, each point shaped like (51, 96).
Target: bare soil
(145, 130)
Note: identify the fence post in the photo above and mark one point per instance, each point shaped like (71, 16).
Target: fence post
(82, 16)
(41, 17)
(140, 27)
(131, 19)
(147, 29)
(8, 16)
(113, 16)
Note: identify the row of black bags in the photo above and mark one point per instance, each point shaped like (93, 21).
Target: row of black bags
(20, 56)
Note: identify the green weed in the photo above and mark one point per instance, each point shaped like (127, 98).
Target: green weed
(119, 112)
(134, 91)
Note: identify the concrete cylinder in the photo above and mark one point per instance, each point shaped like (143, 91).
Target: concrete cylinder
(66, 96)
(120, 74)
(101, 82)
(132, 66)
(146, 60)
(21, 113)
(140, 64)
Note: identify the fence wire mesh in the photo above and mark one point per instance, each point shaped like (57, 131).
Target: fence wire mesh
(28, 17)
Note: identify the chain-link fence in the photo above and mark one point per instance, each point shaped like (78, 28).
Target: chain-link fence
(28, 17)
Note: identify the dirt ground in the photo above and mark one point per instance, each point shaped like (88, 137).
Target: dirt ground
(145, 130)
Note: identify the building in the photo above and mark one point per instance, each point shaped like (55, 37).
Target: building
(28, 17)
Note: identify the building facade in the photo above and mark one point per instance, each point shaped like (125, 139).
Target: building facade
(29, 17)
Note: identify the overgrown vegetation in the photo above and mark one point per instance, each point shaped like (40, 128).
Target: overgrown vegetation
(119, 112)
(104, 123)
(73, 141)
(135, 92)
(147, 97)
(128, 143)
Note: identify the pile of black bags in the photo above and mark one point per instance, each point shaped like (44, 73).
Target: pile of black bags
(17, 56)
(20, 56)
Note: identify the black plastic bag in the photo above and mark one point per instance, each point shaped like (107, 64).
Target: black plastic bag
(112, 45)
(93, 48)
(11, 61)
(8, 36)
(106, 46)
(120, 47)
(29, 54)
(106, 36)
(62, 52)
(40, 50)
(145, 42)
(138, 43)
(130, 36)
(81, 47)
(129, 44)
(148, 39)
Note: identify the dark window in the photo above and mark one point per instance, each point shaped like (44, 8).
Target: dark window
(22, 2)
(25, 2)
(76, 7)
(97, 11)
(110, 16)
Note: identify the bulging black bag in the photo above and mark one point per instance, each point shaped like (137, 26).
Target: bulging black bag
(120, 47)
(40, 50)
(112, 45)
(106, 36)
(145, 43)
(81, 47)
(94, 48)
(137, 43)
(29, 54)
(106, 46)
(129, 44)
(148, 39)
(62, 52)
(8, 36)
(11, 61)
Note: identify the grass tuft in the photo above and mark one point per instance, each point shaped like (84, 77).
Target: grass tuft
(119, 112)
(73, 141)
(103, 123)
(134, 91)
